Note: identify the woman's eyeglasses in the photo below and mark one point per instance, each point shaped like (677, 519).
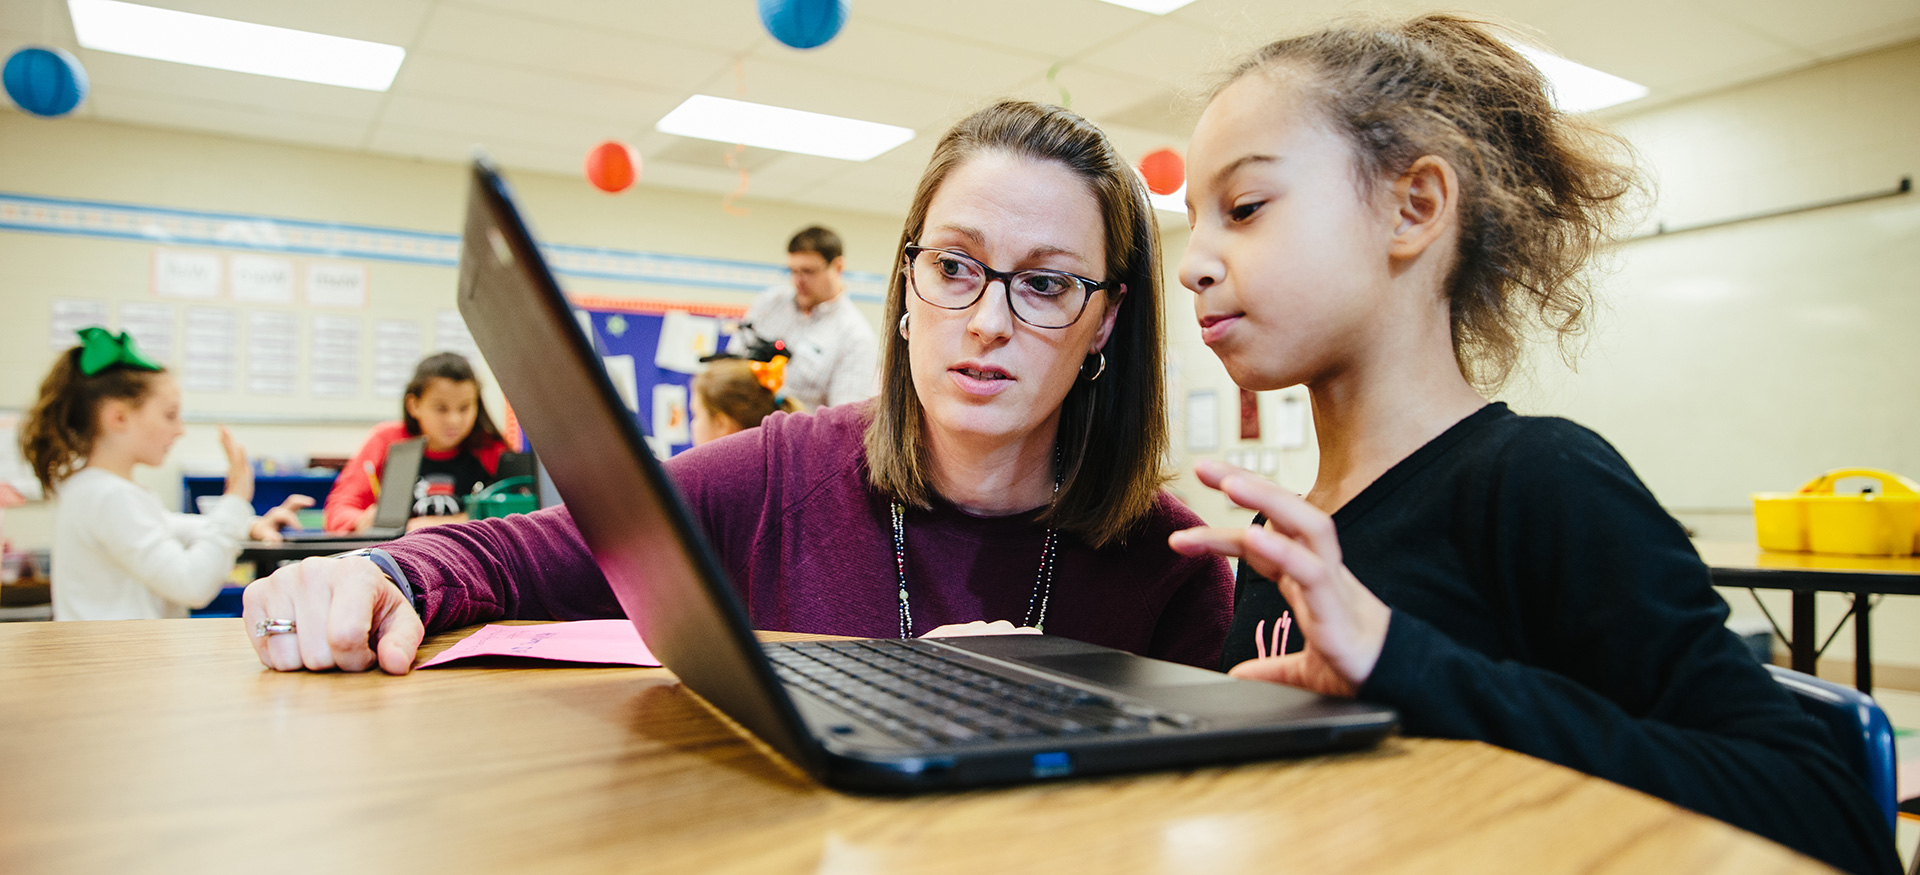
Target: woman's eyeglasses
(1041, 298)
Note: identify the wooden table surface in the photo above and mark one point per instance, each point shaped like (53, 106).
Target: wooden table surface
(163, 746)
(1743, 563)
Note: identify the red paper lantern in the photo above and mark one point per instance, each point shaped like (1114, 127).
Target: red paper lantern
(612, 166)
(1165, 171)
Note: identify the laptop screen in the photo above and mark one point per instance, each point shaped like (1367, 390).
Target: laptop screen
(631, 517)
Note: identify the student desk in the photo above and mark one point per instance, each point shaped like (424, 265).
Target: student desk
(163, 746)
(266, 557)
(1743, 564)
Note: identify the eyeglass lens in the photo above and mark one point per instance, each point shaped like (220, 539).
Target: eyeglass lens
(1042, 298)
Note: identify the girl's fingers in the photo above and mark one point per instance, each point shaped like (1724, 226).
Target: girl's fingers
(1218, 540)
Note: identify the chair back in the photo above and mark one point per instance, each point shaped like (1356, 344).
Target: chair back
(1857, 724)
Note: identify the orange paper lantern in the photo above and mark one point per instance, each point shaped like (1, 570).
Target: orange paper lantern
(612, 166)
(1165, 171)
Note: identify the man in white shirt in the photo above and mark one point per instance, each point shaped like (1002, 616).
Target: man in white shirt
(833, 356)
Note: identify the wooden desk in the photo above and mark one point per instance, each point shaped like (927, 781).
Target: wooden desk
(163, 746)
(1738, 563)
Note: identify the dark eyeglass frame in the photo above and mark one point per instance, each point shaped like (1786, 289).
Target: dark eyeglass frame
(1005, 277)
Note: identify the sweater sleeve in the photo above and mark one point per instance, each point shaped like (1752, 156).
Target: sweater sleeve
(184, 561)
(537, 566)
(1628, 672)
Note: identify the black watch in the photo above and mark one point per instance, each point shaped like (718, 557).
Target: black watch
(382, 560)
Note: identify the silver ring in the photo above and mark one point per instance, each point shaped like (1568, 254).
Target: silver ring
(264, 628)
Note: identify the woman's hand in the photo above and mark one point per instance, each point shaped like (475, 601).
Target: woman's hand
(1343, 624)
(239, 470)
(345, 613)
(980, 627)
(286, 516)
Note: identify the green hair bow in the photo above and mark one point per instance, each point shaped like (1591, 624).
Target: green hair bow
(101, 349)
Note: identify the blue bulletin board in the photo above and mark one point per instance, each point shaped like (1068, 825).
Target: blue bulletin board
(633, 328)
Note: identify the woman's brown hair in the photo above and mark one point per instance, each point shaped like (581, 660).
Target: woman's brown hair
(455, 367)
(1541, 189)
(1113, 430)
(729, 388)
(60, 430)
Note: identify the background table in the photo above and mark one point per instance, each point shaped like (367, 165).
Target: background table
(1736, 563)
(163, 746)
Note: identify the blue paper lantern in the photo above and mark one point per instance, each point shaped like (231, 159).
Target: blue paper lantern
(804, 24)
(46, 82)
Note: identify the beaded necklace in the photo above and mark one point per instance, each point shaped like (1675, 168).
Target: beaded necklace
(1042, 585)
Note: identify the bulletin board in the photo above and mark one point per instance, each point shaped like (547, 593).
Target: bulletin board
(628, 333)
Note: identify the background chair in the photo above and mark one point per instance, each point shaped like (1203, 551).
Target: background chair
(1857, 724)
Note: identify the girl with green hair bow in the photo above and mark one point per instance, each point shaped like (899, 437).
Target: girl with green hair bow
(117, 553)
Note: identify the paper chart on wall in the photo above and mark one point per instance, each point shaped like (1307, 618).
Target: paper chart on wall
(1293, 423)
(273, 353)
(260, 279)
(14, 470)
(152, 328)
(626, 381)
(337, 285)
(69, 316)
(335, 361)
(213, 333)
(396, 351)
(179, 274)
(1203, 421)
(450, 334)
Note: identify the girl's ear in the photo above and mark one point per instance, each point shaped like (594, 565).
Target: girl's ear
(1426, 202)
(114, 415)
(411, 403)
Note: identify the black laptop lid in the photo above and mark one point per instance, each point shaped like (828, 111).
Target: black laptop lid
(659, 564)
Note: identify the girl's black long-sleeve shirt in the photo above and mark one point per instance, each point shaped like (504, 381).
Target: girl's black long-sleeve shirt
(1544, 602)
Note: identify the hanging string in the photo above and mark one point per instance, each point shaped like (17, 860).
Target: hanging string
(733, 155)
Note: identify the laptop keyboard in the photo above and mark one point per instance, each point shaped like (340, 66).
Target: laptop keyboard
(924, 697)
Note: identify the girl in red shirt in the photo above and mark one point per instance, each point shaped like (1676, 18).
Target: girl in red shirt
(463, 451)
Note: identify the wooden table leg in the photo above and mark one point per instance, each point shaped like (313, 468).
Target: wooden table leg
(1862, 645)
(1803, 634)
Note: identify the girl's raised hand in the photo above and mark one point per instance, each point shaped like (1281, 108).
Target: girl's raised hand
(239, 470)
(1343, 624)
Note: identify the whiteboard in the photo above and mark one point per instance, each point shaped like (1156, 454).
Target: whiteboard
(1752, 357)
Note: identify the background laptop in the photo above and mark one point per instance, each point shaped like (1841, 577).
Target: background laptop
(846, 712)
(397, 476)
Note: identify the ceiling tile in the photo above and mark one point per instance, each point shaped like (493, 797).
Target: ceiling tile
(1056, 30)
(1171, 51)
(1829, 28)
(527, 43)
(624, 107)
(875, 98)
(440, 145)
(1090, 91)
(252, 123)
(933, 59)
(481, 122)
(729, 27)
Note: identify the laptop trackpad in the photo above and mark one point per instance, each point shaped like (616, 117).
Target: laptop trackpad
(1117, 670)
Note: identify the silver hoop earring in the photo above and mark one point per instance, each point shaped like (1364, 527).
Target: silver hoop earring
(1098, 370)
(903, 325)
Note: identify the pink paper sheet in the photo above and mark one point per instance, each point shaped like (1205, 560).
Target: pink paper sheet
(613, 642)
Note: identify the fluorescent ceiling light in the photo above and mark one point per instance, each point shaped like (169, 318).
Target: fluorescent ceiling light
(776, 127)
(1578, 87)
(1157, 7)
(240, 46)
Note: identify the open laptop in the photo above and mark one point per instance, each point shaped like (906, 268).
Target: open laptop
(876, 715)
(402, 468)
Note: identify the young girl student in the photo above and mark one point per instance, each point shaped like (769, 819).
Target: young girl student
(442, 403)
(117, 553)
(1381, 213)
(733, 395)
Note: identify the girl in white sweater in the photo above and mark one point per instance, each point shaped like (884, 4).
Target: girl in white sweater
(117, 553)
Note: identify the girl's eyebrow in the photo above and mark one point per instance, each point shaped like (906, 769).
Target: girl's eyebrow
(1220, 178)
